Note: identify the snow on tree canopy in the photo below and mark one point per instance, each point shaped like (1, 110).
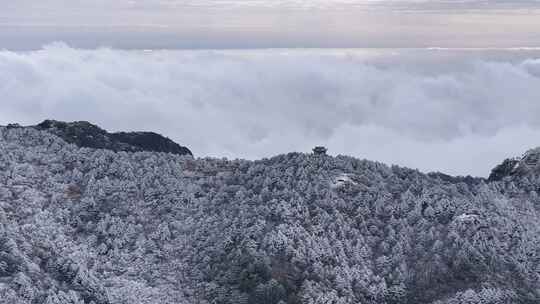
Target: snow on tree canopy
(84, 225)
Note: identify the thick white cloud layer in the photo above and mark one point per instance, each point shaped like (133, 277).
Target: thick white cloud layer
(460, 112)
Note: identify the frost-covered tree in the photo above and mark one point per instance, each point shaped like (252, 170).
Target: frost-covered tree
(80, 225)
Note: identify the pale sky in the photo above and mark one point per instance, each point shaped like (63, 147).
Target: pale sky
(148, 24)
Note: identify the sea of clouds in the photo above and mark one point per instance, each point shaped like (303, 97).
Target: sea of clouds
(456, 111)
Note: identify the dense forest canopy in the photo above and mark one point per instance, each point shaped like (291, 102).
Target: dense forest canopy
(83, 225)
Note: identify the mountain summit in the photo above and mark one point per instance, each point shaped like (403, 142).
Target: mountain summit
(85, 134)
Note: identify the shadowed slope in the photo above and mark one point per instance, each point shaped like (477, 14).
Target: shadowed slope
(85, 134)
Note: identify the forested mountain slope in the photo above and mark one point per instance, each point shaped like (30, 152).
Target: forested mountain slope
(82, 225)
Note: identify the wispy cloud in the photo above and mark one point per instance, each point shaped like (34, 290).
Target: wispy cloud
(282, 3)
(27, 24)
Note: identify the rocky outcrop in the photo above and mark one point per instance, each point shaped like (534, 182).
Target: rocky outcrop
(506, 168)
(85, 134)
(529, 163)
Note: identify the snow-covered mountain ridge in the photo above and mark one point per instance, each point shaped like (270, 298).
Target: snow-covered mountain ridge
(84, 225)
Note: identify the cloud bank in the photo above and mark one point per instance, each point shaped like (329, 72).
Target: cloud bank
(457, 112)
